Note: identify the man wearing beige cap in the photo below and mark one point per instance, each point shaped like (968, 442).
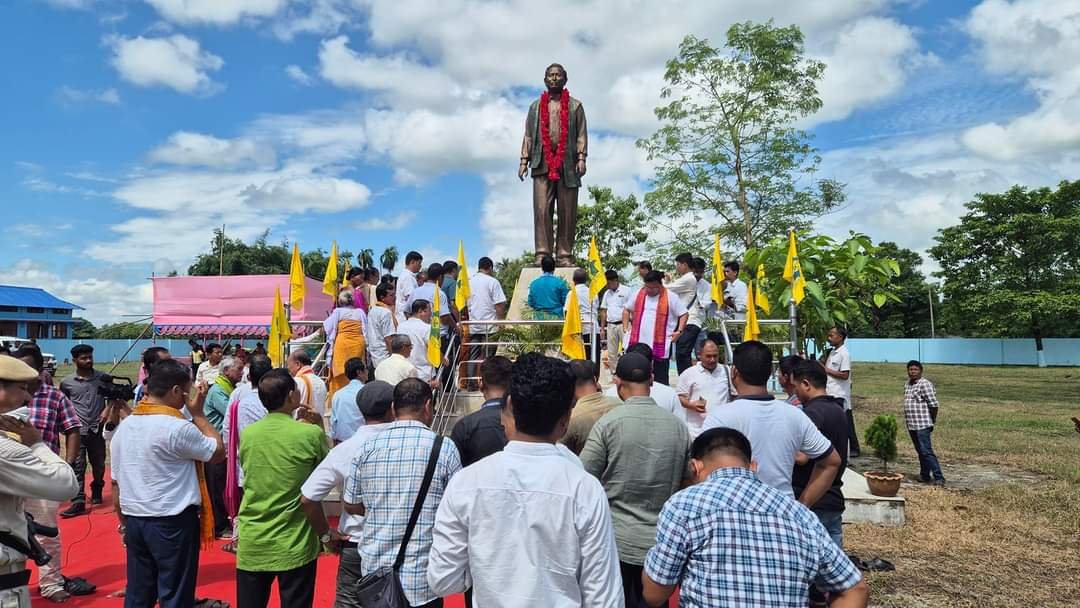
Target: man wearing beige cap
(31, 470)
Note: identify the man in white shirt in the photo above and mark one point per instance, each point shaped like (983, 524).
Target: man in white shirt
(777, 431)
(155, 455)
(382, 323)
(418, 328)
(374, 403)
(735, 292)
(398, 366)
(838, 368)
(664, 396)
(703, 388)
(434, 276)
(649, 328)
(209, 369)
(406, 283)
(692, 338)
(487, 302)
(312, 389)
(524, 527)
(612, 305)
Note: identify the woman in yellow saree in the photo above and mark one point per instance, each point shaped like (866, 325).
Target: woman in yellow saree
(345, 335)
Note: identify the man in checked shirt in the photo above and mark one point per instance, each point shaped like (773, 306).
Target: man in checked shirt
(920, 413)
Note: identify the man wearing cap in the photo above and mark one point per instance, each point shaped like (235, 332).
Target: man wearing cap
(374, 403)
(639, 453)
(30, 470)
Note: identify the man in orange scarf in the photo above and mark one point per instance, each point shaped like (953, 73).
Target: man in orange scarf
(659, 318)
(165, 510)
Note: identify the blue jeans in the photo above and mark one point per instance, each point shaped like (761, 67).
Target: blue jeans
(928, 462)
(834, 524)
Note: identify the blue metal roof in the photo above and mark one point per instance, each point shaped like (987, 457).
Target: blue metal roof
(32, 297)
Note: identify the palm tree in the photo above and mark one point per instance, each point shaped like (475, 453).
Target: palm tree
(389, 258)
(366, 257)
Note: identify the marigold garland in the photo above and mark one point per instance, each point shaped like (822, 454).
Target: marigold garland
(553, 158)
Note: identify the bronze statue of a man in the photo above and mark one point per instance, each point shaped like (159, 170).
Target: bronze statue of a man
(555, 146)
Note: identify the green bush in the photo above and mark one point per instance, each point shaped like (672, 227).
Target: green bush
(881, 437)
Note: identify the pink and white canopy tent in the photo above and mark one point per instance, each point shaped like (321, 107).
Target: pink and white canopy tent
(229, 306)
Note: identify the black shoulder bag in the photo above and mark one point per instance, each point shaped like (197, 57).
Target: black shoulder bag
(382, 588)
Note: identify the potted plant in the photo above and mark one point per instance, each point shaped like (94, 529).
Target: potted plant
(881, 437)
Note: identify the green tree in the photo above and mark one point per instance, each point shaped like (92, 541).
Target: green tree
(122, 331)
(727, 150)
(908, 318)
(508, 270)
(844, 281)
(1011, 267)
(619, 224)
(259, 257)
(389, 259)
(83, 329)
(366, 258)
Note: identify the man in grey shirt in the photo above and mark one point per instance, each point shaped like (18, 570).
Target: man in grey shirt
(777, 431)
(639, 453)
(83, 389)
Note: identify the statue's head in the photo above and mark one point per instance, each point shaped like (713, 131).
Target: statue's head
(555, 77)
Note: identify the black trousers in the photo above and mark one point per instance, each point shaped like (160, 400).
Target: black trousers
(296, 587)
(215, 486)
(348, 575)
(661, 368)
(684, 348)
(92, 448)
(853, 435)
(631, 584)
(162, 560)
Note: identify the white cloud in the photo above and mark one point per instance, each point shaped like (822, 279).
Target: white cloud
(215, 12)
(107, 299)
(308, 193)
(72, 95)
(1038, 41)
(396, 222)
(197, 149)
(176, 62)
(298, 74)
(33, 231)
(72, 4)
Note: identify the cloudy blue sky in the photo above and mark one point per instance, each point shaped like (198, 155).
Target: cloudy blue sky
(132, 128)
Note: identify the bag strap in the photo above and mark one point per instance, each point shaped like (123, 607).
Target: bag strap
(433, 459)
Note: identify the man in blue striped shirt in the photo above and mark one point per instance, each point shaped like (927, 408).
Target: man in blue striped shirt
(731, 540)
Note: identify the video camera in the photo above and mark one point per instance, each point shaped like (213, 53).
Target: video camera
(116, 387)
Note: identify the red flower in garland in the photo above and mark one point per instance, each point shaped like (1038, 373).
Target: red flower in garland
(554, 155)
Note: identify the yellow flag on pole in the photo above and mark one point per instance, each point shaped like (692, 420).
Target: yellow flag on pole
(329, 282)
(760, 298)
(434, 344)
(793, 271)
(345, 275)
(717, 273)
(296, 280)
(572, 345)
(461, 297)
(597, 280)
(751, 330)
(280, 333)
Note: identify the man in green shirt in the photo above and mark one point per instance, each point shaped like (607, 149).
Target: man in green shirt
(639, 452)
(216, 406)
(277, 454)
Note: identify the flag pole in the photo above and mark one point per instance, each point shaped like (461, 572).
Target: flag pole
(793, 315)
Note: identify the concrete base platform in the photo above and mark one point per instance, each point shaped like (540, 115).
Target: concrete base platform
(862, 507)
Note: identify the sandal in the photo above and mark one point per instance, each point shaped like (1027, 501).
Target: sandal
(229, 548)
(207, 602)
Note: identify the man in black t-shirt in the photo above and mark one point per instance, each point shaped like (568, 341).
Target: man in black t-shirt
(481, 433)
(828, 416)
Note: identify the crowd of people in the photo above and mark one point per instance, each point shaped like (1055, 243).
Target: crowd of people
(555, 492)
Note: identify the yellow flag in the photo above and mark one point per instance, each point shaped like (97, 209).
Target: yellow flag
(597, 280)
(571, 329)
(751, 330)
(760, 298)
(793, 271)
(461, 297)
(717, 273)
(434, 343)
(296, 280)
(329, 281)
(345, 275)
(280, 333)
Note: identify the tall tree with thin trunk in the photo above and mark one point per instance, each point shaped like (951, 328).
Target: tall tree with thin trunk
(389, 258)
(729, 156)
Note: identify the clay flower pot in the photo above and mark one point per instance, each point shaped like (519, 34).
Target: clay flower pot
(883, 484)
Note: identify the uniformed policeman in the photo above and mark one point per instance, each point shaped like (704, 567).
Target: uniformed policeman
(30, 470)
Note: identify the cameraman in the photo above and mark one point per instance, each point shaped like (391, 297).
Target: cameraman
(30, 470)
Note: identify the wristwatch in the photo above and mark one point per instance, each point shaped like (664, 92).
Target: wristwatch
(326, 538)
